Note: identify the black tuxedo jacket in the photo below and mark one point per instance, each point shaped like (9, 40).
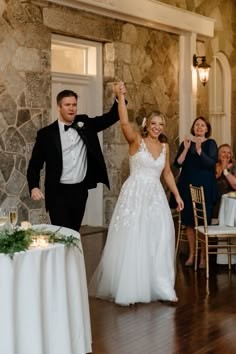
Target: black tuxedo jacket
(47, 150)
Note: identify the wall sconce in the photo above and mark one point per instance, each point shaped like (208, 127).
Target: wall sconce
(203, 68)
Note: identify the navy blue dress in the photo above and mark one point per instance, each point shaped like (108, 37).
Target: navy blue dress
(198, 170)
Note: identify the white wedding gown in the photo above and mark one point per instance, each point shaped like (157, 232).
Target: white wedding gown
(137, 264)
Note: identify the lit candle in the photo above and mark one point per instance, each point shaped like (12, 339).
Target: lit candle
(43, 241)
(25, 225)
(34, 242)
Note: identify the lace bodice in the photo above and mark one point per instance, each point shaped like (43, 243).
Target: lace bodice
(144, 164)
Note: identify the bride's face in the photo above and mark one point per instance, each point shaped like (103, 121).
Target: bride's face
(155, 126)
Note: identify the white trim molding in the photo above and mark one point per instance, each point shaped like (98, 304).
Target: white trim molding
(150, 13)
(155, 14)
(187, 84)
(223, 112)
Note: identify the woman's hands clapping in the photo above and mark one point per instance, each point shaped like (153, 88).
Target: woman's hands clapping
(187, 142)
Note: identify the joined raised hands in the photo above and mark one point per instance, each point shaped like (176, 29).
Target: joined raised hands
(119, 88)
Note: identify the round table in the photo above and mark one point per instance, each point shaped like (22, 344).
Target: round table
(227, 217)
(44, 301)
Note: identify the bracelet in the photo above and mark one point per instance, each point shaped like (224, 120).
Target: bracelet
(225, 172)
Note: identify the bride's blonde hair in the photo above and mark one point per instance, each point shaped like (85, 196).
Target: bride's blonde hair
(146, 121)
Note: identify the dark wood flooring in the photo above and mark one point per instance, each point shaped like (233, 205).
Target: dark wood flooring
(199, 323)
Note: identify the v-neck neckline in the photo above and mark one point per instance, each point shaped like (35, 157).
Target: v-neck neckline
(155, 159)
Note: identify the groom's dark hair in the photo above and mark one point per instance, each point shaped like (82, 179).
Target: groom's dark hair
(65, 93)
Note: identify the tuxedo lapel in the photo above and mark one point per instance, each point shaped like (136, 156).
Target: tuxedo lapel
(81, 131)
(83, 136)
(56, 137)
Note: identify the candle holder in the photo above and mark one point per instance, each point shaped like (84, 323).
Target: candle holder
(43, 241)
(25, 225)
(34, 242)
(39, 241)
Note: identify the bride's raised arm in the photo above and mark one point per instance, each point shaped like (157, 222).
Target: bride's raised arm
(130, 134)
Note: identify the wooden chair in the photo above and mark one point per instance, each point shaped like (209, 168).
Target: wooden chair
(181, 234)
(207, 234)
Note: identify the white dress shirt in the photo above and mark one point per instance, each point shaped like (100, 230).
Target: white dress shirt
(74, 156)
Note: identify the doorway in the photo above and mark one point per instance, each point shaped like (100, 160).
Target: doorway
(220, 99)
(77, 65)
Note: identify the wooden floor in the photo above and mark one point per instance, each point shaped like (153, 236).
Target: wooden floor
(200, 323)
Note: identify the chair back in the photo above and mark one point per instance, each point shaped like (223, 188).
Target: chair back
(181, 236)
(210, 235)
(199, 207)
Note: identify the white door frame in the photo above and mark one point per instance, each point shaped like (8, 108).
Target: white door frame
(227, 83)
(90, 102)
(155, 14)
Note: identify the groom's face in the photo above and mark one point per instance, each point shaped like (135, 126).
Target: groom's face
(67, 109)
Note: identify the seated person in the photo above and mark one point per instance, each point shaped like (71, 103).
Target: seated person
(225, 174)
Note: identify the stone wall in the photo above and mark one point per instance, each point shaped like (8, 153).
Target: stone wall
(224, 40)
(146, 59)
(24, 99)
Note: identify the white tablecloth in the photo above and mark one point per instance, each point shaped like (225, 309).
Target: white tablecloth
(227, 217)
(227, 213)
(44, 301)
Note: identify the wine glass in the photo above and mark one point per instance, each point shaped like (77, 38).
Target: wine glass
(3, 216)
(13, 216)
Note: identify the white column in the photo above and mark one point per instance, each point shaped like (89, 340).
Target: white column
(187, 84)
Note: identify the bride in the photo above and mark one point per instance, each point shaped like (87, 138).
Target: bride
(137, 264)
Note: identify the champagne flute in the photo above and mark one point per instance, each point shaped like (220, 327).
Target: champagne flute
(13, 216)
(3, 216)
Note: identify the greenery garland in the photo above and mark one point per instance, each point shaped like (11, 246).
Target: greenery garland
(18, 240)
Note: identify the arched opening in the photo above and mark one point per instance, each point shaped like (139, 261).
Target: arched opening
(220, 99)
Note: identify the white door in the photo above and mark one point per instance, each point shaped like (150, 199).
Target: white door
(220, 99)
(90, 93)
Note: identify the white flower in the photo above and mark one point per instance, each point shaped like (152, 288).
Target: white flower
(80, 125)
(144, 122)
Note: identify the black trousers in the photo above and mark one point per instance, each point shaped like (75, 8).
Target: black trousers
(69, 204)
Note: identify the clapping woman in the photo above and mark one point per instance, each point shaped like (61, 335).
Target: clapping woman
(197, 157)
(225, 174)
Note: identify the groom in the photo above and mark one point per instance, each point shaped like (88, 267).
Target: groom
(70, 150)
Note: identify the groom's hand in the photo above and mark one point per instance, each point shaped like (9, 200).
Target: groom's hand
(36, 194)
(119, 88)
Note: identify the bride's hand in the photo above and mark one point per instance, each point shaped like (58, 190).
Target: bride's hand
(180, 203)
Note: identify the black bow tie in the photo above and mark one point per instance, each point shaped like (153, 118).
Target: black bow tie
(66, 127)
